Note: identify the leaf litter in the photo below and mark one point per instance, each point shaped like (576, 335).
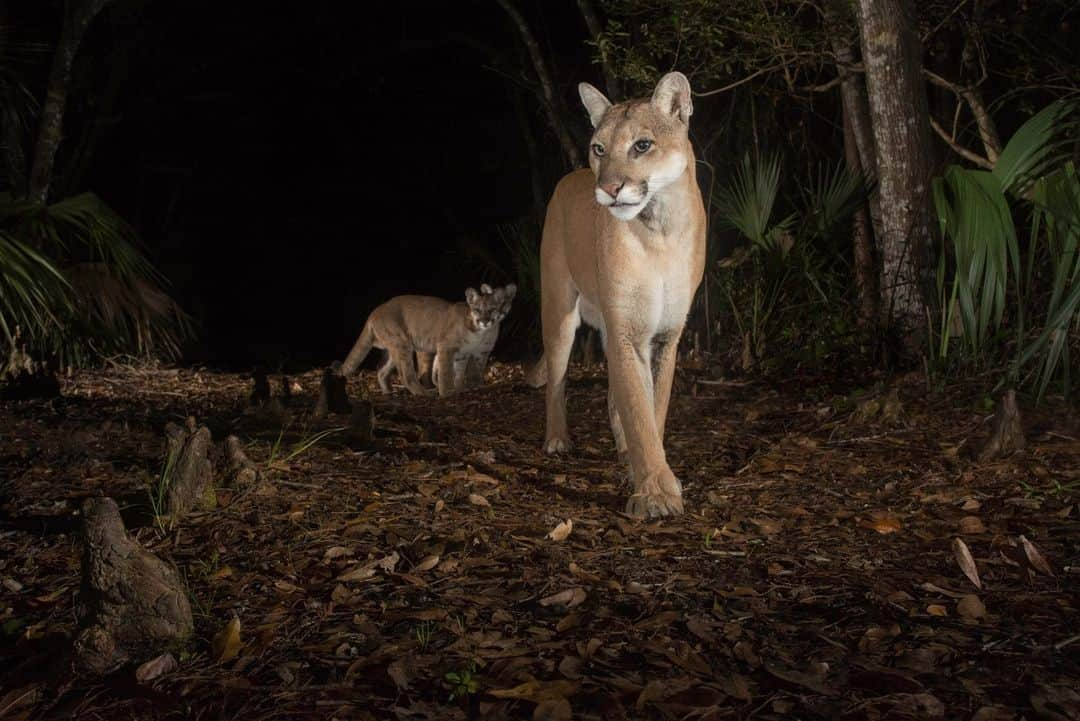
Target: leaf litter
(824, 568)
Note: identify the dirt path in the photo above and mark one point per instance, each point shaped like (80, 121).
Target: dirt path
(815, 575)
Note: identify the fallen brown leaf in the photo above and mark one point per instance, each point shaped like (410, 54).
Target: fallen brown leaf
(367, 570)
(993, 713)
(971, 525)
(155, 668)
(561, 531)
(226, 644)
(971, 606)
(966, 561)
(556, 708)
(883, 523)
(1035, 557)
(653, 691)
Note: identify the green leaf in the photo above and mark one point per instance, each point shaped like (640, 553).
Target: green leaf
(974, 215)
(1040, 145)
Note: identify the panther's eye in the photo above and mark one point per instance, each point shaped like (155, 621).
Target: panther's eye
(598, 150)
(643, 145)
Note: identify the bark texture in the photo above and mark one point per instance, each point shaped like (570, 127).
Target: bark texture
(333, 394)
(190, 473)
(891, 53)
(242, 471)
(866, 273)
(861, 160)
(1007, 435)
(361, 423)
(260, 387)
(132, 604)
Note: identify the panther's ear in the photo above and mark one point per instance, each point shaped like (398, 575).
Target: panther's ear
(672, 96)
(471, 296)
(485, 289)
(594, 102)
(511, 290)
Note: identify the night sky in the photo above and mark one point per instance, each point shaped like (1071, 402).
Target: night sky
(290, 166)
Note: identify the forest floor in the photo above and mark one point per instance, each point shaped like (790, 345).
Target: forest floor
(816, 573)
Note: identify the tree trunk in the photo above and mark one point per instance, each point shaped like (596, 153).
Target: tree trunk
(861, 158)
(611, 80)
(891, 53)
(862, 238)
(132, 605)
(189, 478)
(547, 86)
(50, 128)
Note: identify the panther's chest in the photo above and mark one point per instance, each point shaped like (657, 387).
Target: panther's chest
(479, 343)
(653, 288)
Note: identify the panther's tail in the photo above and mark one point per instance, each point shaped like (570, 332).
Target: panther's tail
(359, 351)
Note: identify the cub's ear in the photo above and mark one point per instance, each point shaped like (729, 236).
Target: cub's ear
(471, 296)
(511, 290)
(485, 289)
(672, 96)
(594, 102)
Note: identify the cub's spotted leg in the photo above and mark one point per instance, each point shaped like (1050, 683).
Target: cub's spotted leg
(461, 369)
(474, 373)
(402, 357)
(445, 371)
(425, 364)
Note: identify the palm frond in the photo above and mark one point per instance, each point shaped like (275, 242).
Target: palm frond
(1056, 222)
(833, 194)
(134, 316)
(77, 285)
(85, 229)
(1038, 147)
(747, 204)
(34, 295)
(974, 214)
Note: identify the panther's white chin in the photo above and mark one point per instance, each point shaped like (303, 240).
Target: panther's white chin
(627, 212)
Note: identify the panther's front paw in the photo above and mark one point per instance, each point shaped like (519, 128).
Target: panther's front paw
(660, 494)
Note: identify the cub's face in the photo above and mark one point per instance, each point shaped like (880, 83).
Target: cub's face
(638, 147)
(489, 306)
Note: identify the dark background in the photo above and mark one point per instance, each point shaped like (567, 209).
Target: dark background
(290, 166)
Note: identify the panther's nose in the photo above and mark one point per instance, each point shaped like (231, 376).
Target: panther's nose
(611, 189)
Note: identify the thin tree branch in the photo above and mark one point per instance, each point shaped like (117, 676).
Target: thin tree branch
(737, 83)
(987, 128)
(592, 22)
(547, 86)
(960, 149)
(944, 20)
